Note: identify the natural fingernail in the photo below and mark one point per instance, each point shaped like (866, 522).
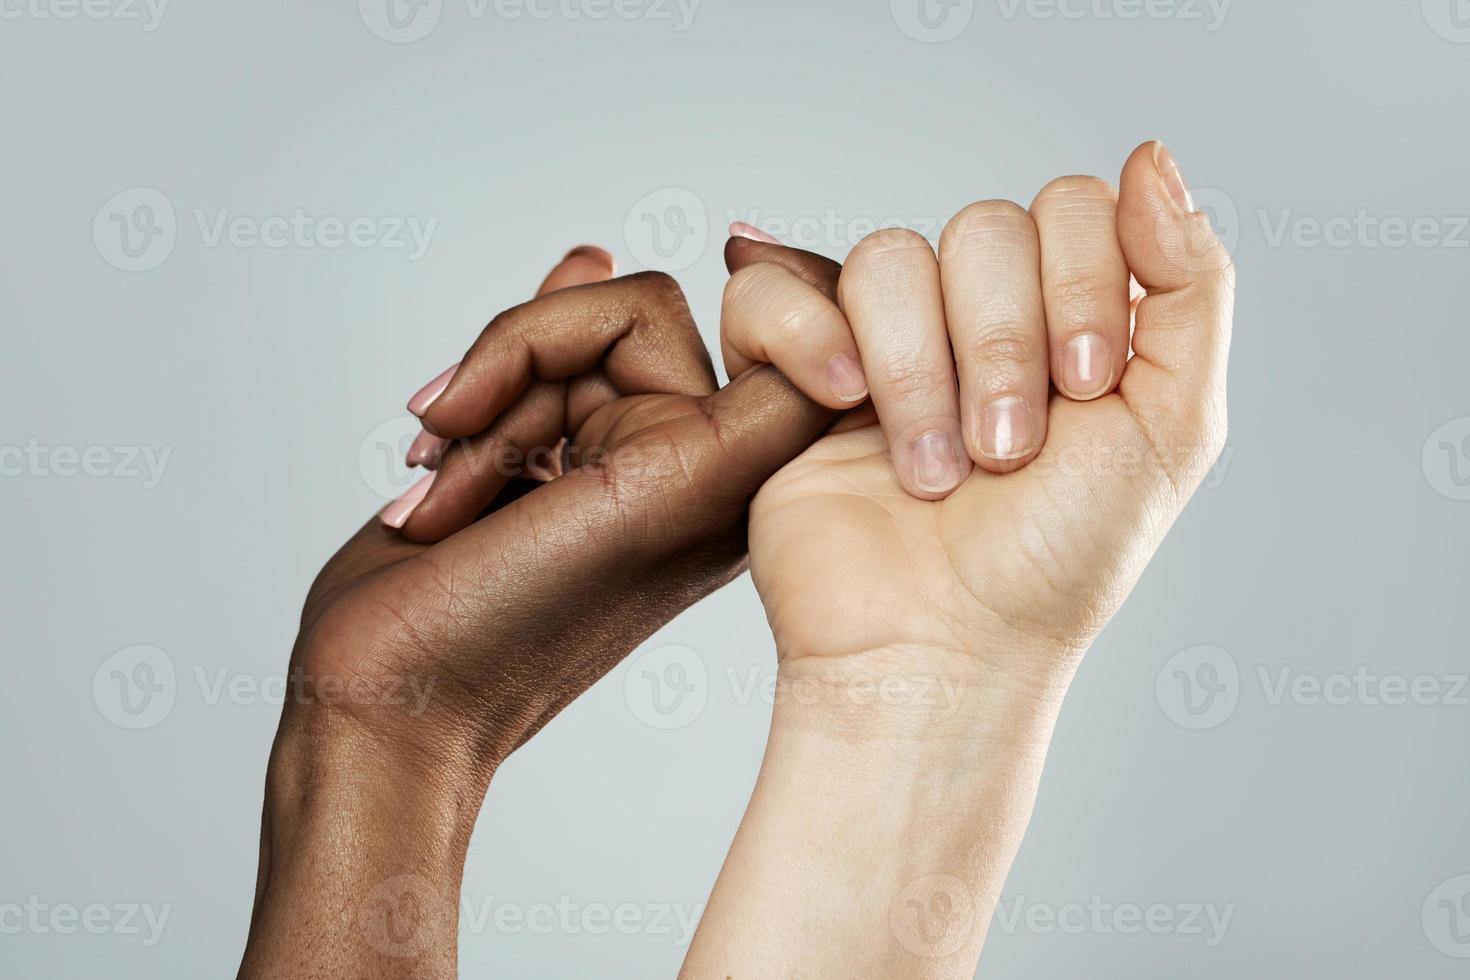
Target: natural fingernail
(740, 229)
(1173, 178)
(396, 514)
(1007, 430)
(846, 378)
(1087, 366)
(936, 463)
(427, 450)
(419, 403)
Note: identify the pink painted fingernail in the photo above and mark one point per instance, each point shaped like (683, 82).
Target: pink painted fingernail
(426, 450)
(740, 229)
(1087, 367)
(397, 513)
(419, 403)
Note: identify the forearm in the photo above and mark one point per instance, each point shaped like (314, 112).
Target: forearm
(362, 855)
(882, 826)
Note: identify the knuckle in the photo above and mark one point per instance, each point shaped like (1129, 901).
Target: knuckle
(655, 283)
(742, 288)
(989, 223)
(1077, 192)
(914, 380)
(803, 317)
(1007, 345)
(1078, 293)
(891, 244)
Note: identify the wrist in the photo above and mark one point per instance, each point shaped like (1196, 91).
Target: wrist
(938, 700)
(895, 790)
(362, 854)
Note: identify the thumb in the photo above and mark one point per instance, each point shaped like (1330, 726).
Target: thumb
(1181, 340)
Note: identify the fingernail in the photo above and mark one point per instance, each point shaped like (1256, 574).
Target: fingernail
(397, 513)
(419, 403)
(936, 464)
(1007, 430)
(740, 229)
(427, 449)
(601, 256)
(845, 376)
(1087, 366)
(1173, 179)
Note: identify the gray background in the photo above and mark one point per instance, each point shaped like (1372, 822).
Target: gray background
(1335, 541)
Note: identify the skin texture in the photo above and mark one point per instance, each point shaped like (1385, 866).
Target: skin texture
(933, 640)
(420, 666)
(968, 344)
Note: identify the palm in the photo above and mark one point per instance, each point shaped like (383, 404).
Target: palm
(847, 562)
